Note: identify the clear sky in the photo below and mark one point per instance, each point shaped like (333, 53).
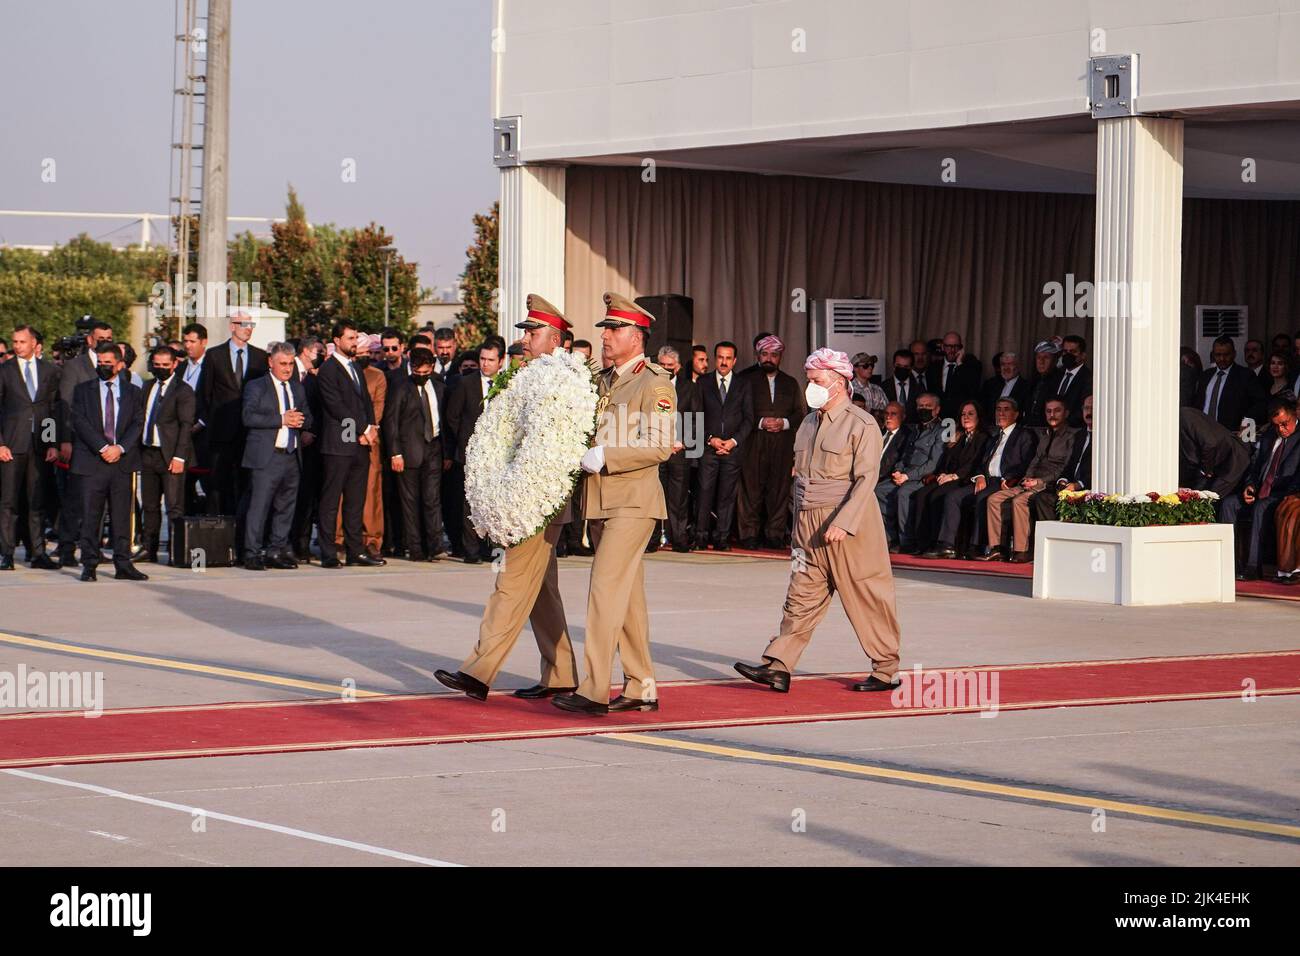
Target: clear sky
(399, 86)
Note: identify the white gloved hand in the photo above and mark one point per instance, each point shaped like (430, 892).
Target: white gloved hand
(594, 460)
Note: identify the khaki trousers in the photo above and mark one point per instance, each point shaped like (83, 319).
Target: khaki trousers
(858, 568)
(617, 617)
(1020, 501)
(527, 589)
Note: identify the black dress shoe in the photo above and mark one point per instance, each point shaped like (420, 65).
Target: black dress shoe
(366, 561)
(254, 562)
(895, 549)
(67, 559)
(330, 563)
(128, 572)
(88, 574)
(415, 556)
(621, 703)
(1248, 574)
(42, 562)
(722, 546)
(681, 549)
(473, 559)
(464, 683)
(941, 553)
(991, 554)
(541, 692)
(282, 562)
(762, 674)
(7, 562)
(1021, 557)
(874, 683)
(577, 704)
(652, 547)
(751, 544)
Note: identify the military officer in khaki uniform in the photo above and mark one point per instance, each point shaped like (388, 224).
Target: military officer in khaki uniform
(528, 585)
(839, 538)
(623, 498)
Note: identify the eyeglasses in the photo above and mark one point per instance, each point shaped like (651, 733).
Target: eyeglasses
(392, 348)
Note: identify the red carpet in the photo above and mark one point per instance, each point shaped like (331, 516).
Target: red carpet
(1001, 569)
(44, 738)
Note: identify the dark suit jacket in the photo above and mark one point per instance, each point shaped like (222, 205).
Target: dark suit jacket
(221, 395)
(346, 413)
(735, 419)
(991, 391)
(260, 414)
(1015, 457)
(1080, 388)
(1049, 463)
(963, 384)
(403, 427)
(1242, 396)
(88, 428)
(789, 403)
(1078, 470)
(1040, 390)
(71, 374)
(914, 390)
(1286, 481)
(464, 404)
(17, 410)
(176, 417)
(1210, 457)
(963, 459)
(896, 452)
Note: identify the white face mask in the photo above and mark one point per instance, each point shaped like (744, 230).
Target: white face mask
(817, 395)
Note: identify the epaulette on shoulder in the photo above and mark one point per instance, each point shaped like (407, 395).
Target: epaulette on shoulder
(658, 369)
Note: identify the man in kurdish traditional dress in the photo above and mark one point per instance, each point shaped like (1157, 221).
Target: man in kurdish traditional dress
(528, 585)
(622, 499)
(839, 539)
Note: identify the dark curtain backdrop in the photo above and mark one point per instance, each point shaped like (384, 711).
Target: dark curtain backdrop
(942, 258)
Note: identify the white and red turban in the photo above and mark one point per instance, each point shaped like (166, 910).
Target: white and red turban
(770, 343)
(830, 360)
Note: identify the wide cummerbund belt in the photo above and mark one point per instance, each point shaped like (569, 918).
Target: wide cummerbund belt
(813, 493)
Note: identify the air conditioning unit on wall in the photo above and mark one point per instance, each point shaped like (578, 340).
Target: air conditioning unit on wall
(849, 326)
(1215, 320)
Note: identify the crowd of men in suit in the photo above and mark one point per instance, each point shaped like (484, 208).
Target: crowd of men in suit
(359, 443)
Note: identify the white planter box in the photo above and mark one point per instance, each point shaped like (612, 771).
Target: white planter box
(1183, 564)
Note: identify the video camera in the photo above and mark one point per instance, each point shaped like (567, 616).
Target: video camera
(70, 346)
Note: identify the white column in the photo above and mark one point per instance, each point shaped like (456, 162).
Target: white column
(1137, 286)
(531, 241)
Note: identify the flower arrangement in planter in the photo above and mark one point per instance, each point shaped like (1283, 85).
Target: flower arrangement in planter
(1183, 506)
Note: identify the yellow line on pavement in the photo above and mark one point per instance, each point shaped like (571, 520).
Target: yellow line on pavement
(970, 786)
(211, 670)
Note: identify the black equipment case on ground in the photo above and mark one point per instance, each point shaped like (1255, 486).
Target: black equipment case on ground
(213, 537)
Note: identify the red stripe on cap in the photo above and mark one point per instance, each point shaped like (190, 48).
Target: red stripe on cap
(554, 321)
(634, 317)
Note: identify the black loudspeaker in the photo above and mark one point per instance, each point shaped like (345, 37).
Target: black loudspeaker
(674, 325)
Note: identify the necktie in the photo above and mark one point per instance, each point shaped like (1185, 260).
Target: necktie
(885, 447)
(152, 424)
(1267, 485)
(902, 393)
(947, 369)
(110, 415)
(1213, 408)
(292, 442)
(722, 389)
(1065, 383)
(356, 380)
(239, 366)
(428, 415)
(31, 380)
(1079, 465)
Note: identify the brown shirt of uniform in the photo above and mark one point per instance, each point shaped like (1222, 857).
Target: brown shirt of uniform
(840, 445)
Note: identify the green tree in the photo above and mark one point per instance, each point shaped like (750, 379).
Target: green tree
(83, 256)
(478, 319)
(53, 303)
(289, 272)
(241, 257)
(361, 281)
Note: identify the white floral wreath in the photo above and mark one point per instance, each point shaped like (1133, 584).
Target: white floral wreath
(522, 460)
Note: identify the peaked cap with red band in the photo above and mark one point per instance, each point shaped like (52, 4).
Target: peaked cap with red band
(541, 312)
(620, 311)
